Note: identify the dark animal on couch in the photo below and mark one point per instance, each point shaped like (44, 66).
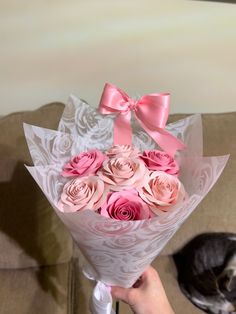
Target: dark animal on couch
(206, 269)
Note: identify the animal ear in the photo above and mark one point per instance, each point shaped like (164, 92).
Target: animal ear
(227, 280)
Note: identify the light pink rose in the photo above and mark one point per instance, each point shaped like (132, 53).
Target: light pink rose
(83, 164)
(123, 173)
(162, 192)
(125, 205)
(82, 193)
(122, 151)
(160, 161)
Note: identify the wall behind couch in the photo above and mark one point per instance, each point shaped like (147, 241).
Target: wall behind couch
(50, 49)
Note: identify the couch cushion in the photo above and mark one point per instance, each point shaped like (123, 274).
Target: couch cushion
(36, 290)
(217, 212)
(30, 232)
(167, 271)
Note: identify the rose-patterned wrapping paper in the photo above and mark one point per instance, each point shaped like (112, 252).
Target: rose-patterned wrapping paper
(117, 251)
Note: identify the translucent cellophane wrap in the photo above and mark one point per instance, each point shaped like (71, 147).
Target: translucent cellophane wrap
(118, 251)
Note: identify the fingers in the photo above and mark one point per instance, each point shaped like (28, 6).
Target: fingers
(146, 294)
(127, 295)
(149, 275)
(120, 293)
(145, 280)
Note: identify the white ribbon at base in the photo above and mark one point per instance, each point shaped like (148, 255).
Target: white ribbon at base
(101, 299)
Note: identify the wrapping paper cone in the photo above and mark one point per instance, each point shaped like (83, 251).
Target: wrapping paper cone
(117, 251)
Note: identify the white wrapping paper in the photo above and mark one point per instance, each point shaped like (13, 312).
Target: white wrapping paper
(117, 251)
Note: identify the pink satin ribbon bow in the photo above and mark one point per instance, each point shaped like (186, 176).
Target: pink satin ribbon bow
(151, 111)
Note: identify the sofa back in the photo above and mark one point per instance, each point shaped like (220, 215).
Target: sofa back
(217, 212)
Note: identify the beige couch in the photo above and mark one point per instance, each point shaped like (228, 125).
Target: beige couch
(38, 260)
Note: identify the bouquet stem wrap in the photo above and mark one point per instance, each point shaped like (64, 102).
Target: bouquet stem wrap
(117, 252)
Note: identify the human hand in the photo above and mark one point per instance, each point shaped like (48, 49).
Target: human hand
(147, 296)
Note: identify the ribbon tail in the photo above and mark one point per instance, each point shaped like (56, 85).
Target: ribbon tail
(168, 142)
(122, 129)
(101, 300)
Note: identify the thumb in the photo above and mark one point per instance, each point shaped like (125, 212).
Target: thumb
(120, 293)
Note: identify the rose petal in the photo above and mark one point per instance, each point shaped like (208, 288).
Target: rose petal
(82, 193)
(125, 205)
(160, 161)
(83, 164)
(162, 191)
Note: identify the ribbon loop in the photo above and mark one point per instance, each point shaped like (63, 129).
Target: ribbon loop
(151, 111)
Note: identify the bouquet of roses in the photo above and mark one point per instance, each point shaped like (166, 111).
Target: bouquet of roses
(122, 193)
(122, 183)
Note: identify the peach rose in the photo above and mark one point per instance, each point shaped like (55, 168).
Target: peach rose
(125, 205)
(122, 151)
(162, 192)
(82, 193)
(123, 173)
(83, 164)
(160, 161)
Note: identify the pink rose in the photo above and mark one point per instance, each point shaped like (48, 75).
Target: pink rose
(122, 151)
(83, 164)
(160, 161)
(123, 173)
(82, 193)
(125, 205)
(162, 192)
